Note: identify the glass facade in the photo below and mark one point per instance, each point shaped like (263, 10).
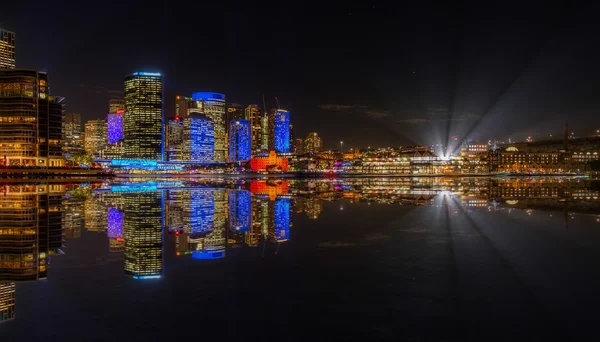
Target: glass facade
(212, 106)
(279, 131)
(95, 137)
(7, 49)
(115, 128)
(198, 139)
(240, 139)
(240, 210)
(143, 120)
(252, 113)
(72, 134)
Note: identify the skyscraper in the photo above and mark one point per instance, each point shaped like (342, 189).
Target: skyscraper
(182, 106)
(115, 126)
(240, 140)
(190, 139)
(313, 143)
(30, 119)
(116, 105)
(240, 210)
(72, 135)
(95, 136)
(279, 131)
(7, 49)
(252, 114)
(212, 105)
(143, 120)
(235, 111)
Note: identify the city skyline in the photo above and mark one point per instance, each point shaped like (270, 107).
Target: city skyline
(449, 82)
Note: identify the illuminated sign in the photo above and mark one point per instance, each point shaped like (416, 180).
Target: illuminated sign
(136, 163)
(157, 276)
(207, 255)
(146, 74)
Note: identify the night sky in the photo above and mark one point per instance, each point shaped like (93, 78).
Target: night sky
(369, 73)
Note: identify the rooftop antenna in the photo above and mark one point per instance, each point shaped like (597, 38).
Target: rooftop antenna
(277, 100)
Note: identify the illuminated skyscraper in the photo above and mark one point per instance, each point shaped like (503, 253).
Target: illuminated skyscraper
(252, 114)
(264, 132)
(282, 219)
(74, 217)
(115, 126)
(30, 120)
(313, 143)
(240, 210)
(7, 49)
(183, 104)
(235, 111)
(143, 121)
(116, 106)
(190, 139)
(72, 135)
(96, 219)
(7, 301)
(240, 140)
(95, 136)
(279, 131)
(142, 230)
(116, 242)
(212, 105)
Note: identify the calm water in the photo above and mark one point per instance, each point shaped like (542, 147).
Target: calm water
(353, 259)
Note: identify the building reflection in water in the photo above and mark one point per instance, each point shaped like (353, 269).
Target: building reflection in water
(31, 219)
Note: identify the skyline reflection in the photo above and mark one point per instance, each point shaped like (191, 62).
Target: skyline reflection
(147, 227)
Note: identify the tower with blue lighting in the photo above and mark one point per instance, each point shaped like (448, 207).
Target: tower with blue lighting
(279, 131)
(213, 106)
(115, 127)
(143, 118)
(240, 141)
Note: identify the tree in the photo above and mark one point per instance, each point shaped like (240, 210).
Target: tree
(82, 158)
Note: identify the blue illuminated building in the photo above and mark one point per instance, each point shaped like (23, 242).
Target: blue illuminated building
(207, 255)
(279, 131)
(115, 223)
(240, 210)
(282, 219)
(199, 135)
(115, 127)
(240, 140)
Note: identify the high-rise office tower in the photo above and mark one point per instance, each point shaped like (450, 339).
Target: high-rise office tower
(7, 49)
(313, 143)
(240, 140)
(142, 230)
(252, 114)
(212, 105)
(183, 104)
(143, 120)
(95, 136)
(74, 210)
(116, 106)
(235, 111)
(96, 219)
(264, 132)
(115, 126)
(299, 146)
(72, 134)
(279, 131)
(190, 139)
(116, 242)
(30, 120)
(7, 301)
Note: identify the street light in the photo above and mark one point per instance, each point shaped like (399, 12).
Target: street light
(342, 146)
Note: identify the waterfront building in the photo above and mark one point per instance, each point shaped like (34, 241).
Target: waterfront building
(74, 217)
(72, 135)
(183, 106)
(212, 106)
(240, 139)
(190, 139)
(313, 143)
(116, 242)
(299, 147)
(96, 219)
(269, 162)
(313, 207)
(8, 296)
(7, 49)
(142, 230)
(279, 131)
(264, 132)
(474, 158)
(116, 106)
(143, 120)
(115, 126)
(252, 113)
(95, 136)
(30, 120)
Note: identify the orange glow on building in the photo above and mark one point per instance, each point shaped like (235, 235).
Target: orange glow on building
(270, 162)
(271, 188)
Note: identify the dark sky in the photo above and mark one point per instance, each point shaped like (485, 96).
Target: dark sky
(369, 73)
